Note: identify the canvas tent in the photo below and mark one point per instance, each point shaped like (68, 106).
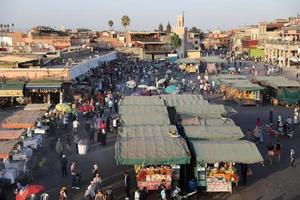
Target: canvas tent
(203, 111)
(151, 151)
(22, 119)
(11, 134)
(142, 101)
(176, 100)
(146, 131)
(131, 109)
(213, 132)
(238, 151)
(151, 118)
(6, 148)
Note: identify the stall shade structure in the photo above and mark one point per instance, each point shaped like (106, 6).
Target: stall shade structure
(22, 119)
(11, 134)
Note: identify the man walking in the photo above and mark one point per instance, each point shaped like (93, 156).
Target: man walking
(75, 126)
(75, 175)
(292, 158)
(63, 162)
(127, 184)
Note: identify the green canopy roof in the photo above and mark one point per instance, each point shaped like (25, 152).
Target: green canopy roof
(146, 131)
(131, 109)
(142, 101)
(226, 151)
(213, 59)
(11, 89)
(175, 100)
(151, 118)
(151, 151)
(242, 85)
(203, 111)
(276, 81)
(213, 132)
(44, 84)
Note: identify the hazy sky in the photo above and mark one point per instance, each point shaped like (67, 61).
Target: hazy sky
(144, 14)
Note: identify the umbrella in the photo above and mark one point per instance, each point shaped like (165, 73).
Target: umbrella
(169, 71)
(151, 88)
(143, 86)
(161, 81)
(28, 190)
(131, 84)
(171, 89)
(62, 107)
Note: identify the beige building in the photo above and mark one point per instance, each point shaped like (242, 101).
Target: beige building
(181, 30)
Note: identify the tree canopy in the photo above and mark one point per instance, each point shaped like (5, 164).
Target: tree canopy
(125, 21)
(110, 23)
(161, 27)
(168, 28)
(195, 30)
(175, 41)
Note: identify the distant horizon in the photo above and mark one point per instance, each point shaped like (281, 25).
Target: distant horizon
(144, 15)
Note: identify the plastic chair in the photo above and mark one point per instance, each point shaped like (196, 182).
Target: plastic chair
(44, 196)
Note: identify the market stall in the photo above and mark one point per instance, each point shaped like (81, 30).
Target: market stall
(279, 90)
(242, 92)
(22, 119)
(11, 92)
(188, 65)
(142, 101)
(155, 158)
(216, 160)
(6, 148)
(213, 132)
(148, 131)
(38, 106)
(11, 135)
(131, 109)
(177, 100)
(151, 118)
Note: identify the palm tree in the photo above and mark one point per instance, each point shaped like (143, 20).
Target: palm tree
(7, 25)
(110, 23)
(12, 26)
(125, 21)
(1, 26)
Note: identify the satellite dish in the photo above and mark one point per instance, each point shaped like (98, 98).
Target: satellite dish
(27, 49)
(46, 46)
(40, 46)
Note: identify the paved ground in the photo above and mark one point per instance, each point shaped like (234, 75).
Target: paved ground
(278, 181)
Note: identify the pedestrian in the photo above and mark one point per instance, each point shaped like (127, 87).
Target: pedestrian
(144, 194)
(75, 126)
(270, 154)
(127, 184)
(75, 174)
(63, 162)
(137, 194)
(163, 193)
(256, 135)
(100, 195)
(271, 116)
(109, 194)
(28, 166)
(98, 182)
(65, 121)
(59, 147)
(292, 158)
(90, 192)
(110, 106)
(63, 194)
(76, 141)
(278, 150)
(95, 170)
(115, 125)
(103, 132)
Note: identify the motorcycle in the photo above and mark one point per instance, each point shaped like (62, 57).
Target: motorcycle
(176, 194)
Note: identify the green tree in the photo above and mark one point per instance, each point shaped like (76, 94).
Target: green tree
(161, 27)
(175, 41)
(110, 24)
(125, 21)
(168, 28)
(195, 30)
